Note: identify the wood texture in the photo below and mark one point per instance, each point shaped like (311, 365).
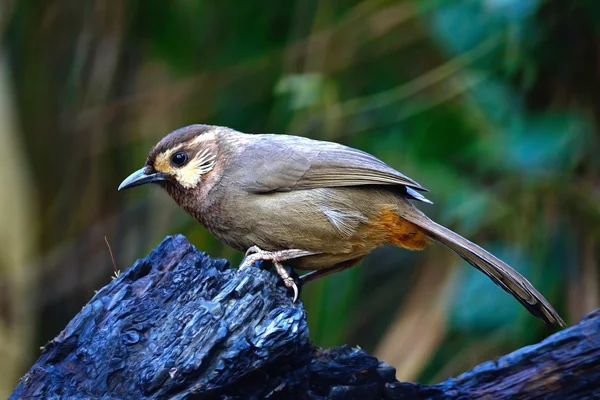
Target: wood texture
(179, 324)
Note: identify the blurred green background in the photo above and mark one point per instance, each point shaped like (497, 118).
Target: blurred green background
(491, 104)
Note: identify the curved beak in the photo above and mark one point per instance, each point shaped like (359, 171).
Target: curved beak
(140, 177)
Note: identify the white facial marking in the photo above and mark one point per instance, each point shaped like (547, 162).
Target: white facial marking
(190, 174)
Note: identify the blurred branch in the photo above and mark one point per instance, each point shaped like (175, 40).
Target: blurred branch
(180, 324)
(434, 76)
(366, 22)
(420, 325)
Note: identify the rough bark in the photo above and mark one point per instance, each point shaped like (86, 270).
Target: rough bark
(179, 324)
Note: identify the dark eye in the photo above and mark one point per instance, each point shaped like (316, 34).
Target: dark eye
(179, 159)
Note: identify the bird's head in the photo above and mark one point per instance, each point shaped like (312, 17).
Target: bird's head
(180, 161)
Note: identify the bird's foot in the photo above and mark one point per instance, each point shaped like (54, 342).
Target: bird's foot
(255, 254)
(253, 250)
(288, 281)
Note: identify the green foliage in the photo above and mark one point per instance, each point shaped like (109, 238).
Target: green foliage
(480, 307)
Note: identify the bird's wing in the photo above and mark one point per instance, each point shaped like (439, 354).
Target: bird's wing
(273, 163)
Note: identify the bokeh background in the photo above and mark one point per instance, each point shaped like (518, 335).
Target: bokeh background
(491, 104)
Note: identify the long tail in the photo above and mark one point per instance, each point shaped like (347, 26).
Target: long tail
(498, 271)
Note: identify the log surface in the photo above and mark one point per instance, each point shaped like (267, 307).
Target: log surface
(179, 324)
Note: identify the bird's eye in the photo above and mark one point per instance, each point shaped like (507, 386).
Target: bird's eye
(179, 159)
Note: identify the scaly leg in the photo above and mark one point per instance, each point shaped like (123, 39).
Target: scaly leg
(254, 254)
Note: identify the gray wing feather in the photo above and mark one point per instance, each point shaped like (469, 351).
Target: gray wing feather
(292, 163)
(276, 167)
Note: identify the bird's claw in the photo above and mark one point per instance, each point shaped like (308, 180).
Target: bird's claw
(245, 264)
(255, 253)
(253, 250)
(290, 283)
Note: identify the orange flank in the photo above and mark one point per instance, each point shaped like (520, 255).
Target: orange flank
(399, 231)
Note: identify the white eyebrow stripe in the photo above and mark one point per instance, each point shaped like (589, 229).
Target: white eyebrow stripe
(201, 162)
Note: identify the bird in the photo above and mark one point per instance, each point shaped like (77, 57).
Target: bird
(309, 204)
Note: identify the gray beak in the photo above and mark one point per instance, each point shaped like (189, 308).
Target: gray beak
(140, 177)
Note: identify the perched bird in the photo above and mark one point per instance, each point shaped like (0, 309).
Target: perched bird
(312, 204)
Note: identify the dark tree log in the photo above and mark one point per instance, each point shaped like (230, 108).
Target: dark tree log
(179, 324)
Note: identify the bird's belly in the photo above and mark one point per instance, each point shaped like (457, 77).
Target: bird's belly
(336, 224)
(278, 221)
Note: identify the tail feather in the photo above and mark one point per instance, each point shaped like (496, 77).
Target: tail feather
(497, 270)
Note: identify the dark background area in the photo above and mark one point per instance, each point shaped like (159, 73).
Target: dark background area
(490, 104)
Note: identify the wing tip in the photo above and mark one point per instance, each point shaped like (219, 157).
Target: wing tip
(541, 309)
(417, 196)
(552, 319)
